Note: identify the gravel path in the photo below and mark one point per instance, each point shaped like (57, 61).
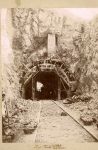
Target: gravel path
(54, 128)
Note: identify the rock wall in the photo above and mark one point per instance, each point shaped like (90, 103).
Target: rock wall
(10, 79)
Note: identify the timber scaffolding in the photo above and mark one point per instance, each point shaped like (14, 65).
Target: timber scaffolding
(66, 80)
(52, 72)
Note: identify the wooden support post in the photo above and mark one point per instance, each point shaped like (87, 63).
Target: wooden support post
(33, 89)
(23, 92)
(69, 93)
(59, 89)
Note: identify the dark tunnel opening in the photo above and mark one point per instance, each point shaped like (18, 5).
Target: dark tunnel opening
(49, 88)
(45, 85)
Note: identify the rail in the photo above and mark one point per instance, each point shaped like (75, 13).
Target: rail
(64, 109)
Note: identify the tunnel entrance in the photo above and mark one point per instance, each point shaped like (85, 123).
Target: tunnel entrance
(46, 85)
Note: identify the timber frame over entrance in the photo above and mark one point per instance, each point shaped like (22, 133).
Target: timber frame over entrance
(57, 80)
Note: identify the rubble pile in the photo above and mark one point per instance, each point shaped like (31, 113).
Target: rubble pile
(24, 118)
(63, 114)
(29, 115)
(74, 99)
(90, 114)
(86, 107)
(87, 118)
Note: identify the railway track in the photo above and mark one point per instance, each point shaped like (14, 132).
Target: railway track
(46, 113)
(55, 128)
(96, 139)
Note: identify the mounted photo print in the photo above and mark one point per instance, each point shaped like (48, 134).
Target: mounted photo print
(49, 75)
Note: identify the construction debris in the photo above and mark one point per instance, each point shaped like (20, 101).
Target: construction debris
(63, 114)
(87, 120)
(74, 99)
(30, 128)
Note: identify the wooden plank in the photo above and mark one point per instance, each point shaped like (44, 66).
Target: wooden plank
(25, 83)
(33, 89)
(59, 89)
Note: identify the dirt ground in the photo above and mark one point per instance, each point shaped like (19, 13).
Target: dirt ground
(54, 128)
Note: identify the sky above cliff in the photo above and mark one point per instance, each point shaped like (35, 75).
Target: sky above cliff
(83, 13)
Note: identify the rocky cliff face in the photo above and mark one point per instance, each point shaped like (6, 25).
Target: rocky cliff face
(10, 79)
(76, 42)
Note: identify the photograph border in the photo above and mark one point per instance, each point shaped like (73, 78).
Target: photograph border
(44, 4)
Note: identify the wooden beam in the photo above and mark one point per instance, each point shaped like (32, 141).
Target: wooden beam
(59, 89)
(69, 93)
(23, 92)
(33, 89)
(25, 83)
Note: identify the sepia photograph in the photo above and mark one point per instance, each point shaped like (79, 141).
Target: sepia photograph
(49, 75)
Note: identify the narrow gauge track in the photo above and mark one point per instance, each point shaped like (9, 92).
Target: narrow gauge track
(53, 127)
(96, 139)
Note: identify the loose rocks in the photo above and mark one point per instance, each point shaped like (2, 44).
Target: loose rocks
(83, 98)
(87, 120)
(63, 114)
(29, 129)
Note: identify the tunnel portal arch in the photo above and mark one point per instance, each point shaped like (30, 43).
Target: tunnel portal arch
(52, 87)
